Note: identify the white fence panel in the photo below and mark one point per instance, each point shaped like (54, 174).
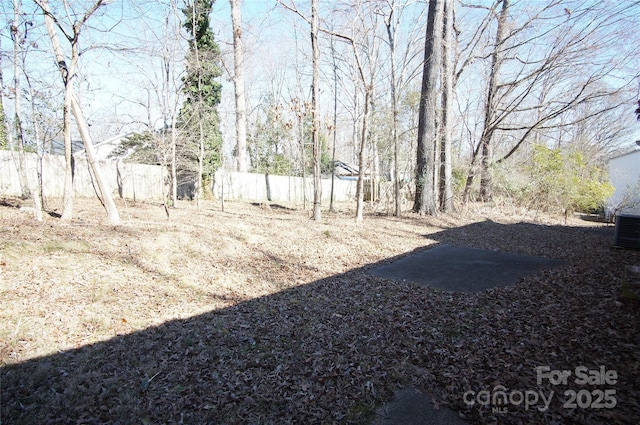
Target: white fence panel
(131, 181)
(253, 187)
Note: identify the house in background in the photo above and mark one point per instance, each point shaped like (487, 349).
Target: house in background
(624, 173)
(103, 149)
(56, 147)
(345, 171)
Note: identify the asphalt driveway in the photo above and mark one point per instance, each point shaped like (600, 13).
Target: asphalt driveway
(461, 269)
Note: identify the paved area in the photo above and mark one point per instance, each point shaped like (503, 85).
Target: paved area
(462, 269)
(456, 269)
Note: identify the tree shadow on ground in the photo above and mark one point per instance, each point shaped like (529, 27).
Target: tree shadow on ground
(333, 350)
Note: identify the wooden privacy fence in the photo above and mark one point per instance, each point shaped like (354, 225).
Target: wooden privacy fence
(130, 181)
(250, 186)
(146, 182)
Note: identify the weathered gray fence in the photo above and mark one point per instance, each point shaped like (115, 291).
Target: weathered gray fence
(131, 181)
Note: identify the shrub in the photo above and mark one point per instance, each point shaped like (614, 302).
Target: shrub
(566, 181)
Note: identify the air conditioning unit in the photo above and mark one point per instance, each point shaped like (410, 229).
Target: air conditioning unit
(627, 233)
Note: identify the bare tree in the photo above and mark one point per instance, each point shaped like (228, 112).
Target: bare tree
(315, 122)
(540, 71)
(365, 52)
(159, 74)
(238, 83)
(68, 72)
(491, 107)
(334, 126)
(446, 184)
(390, 24)
(371, 52)
(18, 41)
(315, 130)
(38, 198)
(402, 72)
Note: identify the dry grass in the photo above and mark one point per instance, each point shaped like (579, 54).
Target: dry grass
(264, 316)
(69, 284)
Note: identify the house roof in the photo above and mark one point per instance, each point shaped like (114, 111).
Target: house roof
(631, 152)
(347, 169)
(104, 148)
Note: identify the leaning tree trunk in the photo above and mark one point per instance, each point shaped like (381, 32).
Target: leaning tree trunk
(67, 73)
(104, 194)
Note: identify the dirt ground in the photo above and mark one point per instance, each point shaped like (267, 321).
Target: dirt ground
(256, 315)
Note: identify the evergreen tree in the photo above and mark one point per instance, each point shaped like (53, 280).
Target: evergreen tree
(200, 147)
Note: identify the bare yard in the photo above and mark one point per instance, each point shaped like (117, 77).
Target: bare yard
(263, 316)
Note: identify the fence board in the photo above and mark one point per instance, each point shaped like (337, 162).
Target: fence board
(131, 181)
(251, 186)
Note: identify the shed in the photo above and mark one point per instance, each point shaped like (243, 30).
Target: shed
(624, 173)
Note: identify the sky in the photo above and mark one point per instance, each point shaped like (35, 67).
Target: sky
(115, 82)
(119, 86)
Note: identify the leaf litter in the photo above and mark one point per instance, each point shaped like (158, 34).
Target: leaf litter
(263, 316)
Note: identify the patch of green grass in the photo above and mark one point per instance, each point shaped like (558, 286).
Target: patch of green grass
(52, 246)
(16, 250)
(361, 412)
(627, 292)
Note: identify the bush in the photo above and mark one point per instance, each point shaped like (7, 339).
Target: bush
(565, 181)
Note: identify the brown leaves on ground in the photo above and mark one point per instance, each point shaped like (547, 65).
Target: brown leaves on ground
(263, 316)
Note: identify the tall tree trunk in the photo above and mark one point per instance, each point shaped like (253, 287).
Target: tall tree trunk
(425, 197)
(491, 107)
(446, 189)
(7, 131)
(174, 168)
(71, 104)
(317, 182)
(335, 124)
(168, 115)
(486, 194)
(395, 114)
(375, 167)
(38, 199)
(67, 190)
(238, 83)
(66, 73)
(303, 159)
(361, 165)
(17, 48)
(199, 112)
(471, 174)
(199, 182)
